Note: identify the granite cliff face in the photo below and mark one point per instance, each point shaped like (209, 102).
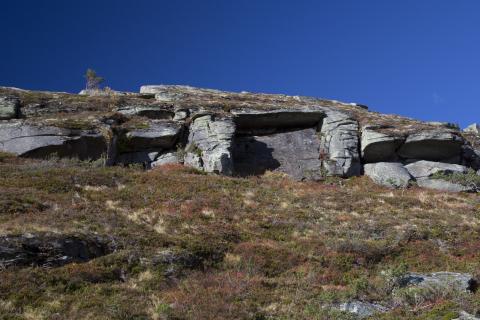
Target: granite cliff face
(238, 134)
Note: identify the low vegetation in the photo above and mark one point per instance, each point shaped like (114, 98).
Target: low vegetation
(197, 246)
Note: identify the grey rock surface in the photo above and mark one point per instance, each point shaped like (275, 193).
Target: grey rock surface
(209, 145)
(295, 153)
(434, 145)
(339, 149)
(361, 309)
(42, 141)
(149, 111)
(466, 316)
(9, 107)
(389, 174)
(439, 281)
(379, 147)
(159, 135)
(166, 158)
(424, 169)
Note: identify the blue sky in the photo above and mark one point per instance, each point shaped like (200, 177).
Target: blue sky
(418, 58)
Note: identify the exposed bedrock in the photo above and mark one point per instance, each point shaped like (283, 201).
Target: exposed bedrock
(42, 141)
(339, 150)
(209, 145)
(295, 153)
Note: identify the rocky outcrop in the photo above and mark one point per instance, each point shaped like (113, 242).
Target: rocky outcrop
(9, 107)
(389, 174)
(209, 145)
(236, 134)
(35, 141)
(339, 149)
(51, 249)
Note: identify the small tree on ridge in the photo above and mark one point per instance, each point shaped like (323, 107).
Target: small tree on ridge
(93, 81)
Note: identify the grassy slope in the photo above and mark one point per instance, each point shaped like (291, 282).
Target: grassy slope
(270, 248)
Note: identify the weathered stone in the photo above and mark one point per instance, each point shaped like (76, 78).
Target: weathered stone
(339, 150)
(389, 174)
(435, 145)
(158, 135)
(295, 153)
(425, 169)
(210, 144)
(440, 281)
(473, 128)
(361, 309)
(379, 147)
(250, 120)
(166, 158)
(181, 114)
(51, 249)
(466, 316)
(149, 111)
(9, 107)
(42, 141)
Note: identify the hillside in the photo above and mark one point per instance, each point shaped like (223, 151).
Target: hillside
(187, 203)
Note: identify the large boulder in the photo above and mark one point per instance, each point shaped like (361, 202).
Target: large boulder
(157, 135)
(425, 169)
(295, 153)
(209, 145)
(9, 107)
(434, 145)
(339, 149)
(39, 141)
(429, 175)
(379, 147)
(389, 174)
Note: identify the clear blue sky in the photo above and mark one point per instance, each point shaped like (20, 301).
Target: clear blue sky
(418, 58)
